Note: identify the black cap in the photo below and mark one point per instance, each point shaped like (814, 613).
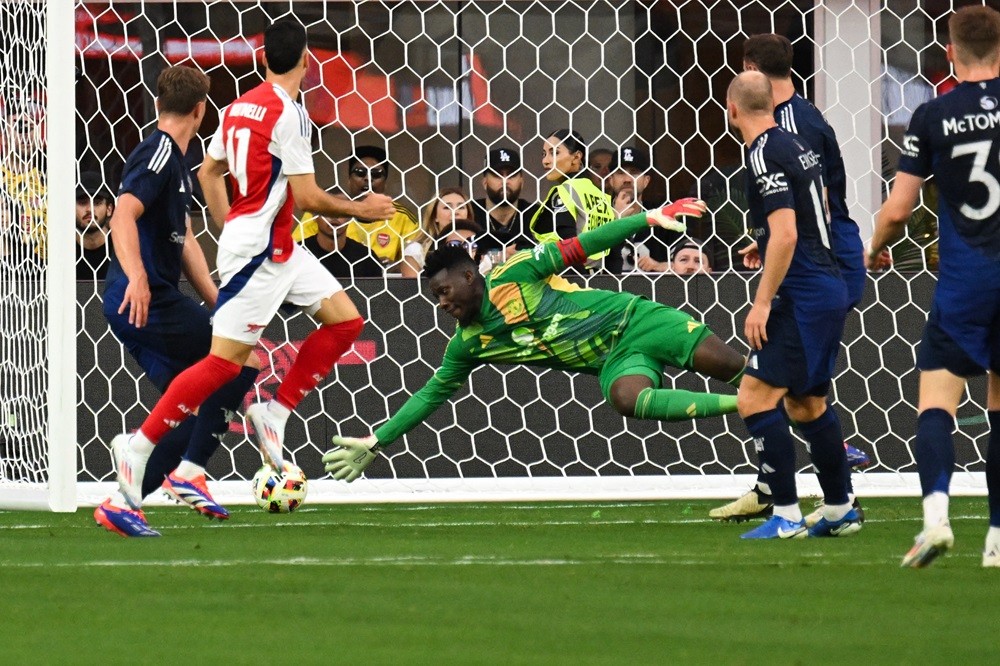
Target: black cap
(92, 186)
(630, 157)
(503, 159)
(685, 243)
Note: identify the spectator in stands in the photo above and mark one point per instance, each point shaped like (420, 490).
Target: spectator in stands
(344, 257)
(94, 206)
(628, 180)
(574, 204)
(22, 188)
(449, 206)
(503, 214)
(463, 233)
(368, 171)
(687, 257)
(599, 168)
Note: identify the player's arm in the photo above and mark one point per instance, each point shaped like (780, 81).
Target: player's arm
(212, 178)
(125, 234)
(195, 267)
(890, 221)
(780, 248)
(553, 257)
(354, 454)
(309, 196)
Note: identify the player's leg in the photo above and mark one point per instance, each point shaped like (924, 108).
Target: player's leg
(758, 406)
(991, 553)
(321, 295)
(186, 481)
(657, 335)
(940, 393)
(818, 424)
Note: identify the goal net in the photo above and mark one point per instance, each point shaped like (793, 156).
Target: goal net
(438, 85)
(37, 328)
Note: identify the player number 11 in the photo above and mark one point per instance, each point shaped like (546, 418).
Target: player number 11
(236, 153)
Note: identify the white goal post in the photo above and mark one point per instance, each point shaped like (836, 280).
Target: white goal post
(38, 458)
(438, 84)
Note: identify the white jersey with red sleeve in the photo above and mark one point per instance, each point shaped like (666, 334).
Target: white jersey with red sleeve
(264, 136)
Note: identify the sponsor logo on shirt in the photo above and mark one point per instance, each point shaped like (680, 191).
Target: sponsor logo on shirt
(772, 183)
(176, 238)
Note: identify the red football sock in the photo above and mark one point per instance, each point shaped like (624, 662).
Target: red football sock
(186, 393)
(318, 354)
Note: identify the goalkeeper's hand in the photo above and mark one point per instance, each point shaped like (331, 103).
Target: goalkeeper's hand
(351, 457)
(666, 216)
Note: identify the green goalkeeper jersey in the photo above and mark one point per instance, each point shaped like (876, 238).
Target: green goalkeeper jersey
(529, 316)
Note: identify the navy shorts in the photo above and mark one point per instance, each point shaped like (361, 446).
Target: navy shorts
(177, 335)
(801, 349)
(962, 334)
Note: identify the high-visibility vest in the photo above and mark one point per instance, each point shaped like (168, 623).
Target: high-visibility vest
(588, 205)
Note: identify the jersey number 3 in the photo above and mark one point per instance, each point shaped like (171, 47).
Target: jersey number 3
(980, 150)
(237, 143)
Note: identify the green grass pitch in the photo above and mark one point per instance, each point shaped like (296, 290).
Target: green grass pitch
(551, 583)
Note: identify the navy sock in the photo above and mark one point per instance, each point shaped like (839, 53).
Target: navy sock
(215, 414)
(166, 455)
(826, 446)
(993, 468)
(935, 451)
(776, 449)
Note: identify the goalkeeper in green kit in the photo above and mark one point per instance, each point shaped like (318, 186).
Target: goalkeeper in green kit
(524, 313)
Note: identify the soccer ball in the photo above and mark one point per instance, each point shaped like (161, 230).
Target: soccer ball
(279, 492)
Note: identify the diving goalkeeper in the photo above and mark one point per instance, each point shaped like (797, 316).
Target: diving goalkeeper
(524, 313)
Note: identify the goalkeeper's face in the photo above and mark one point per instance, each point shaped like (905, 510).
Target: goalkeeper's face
(459, 292)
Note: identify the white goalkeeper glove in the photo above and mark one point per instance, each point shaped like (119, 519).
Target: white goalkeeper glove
(351, 457)
(666, 216)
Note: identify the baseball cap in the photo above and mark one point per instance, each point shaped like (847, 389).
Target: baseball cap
(92, 186)
(631, 157)
(685, 243)
(503, 159)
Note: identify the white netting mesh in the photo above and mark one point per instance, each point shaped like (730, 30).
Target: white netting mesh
(23, 335)
(438, 84)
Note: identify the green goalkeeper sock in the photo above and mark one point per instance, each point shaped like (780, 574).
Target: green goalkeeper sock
(677, 405)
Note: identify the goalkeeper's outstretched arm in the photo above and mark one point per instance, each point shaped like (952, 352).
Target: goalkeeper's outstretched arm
(556, 256)
(353, 454)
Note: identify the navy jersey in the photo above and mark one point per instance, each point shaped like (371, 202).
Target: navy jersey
(800, 117)
(783, 173)
(155, 174)
(956, 138)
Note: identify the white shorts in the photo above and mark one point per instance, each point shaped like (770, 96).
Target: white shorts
(253, 288)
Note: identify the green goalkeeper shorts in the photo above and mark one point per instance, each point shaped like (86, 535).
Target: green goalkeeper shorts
(655, 336)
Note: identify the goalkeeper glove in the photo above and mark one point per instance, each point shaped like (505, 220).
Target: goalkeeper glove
(351, 457)
(666, 216)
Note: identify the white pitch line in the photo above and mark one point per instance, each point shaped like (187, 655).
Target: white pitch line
(440, 524)
(430, 561)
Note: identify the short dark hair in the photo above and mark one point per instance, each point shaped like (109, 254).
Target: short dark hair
(572, 140)
(461, 225)
(369, 152)
(975, 33)
(447, 258)
(180, 88)
(284, 43)
(770, 53)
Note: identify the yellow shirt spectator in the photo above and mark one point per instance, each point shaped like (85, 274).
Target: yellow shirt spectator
(386, 238)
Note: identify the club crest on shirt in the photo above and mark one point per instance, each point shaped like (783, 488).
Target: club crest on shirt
(382, 240)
